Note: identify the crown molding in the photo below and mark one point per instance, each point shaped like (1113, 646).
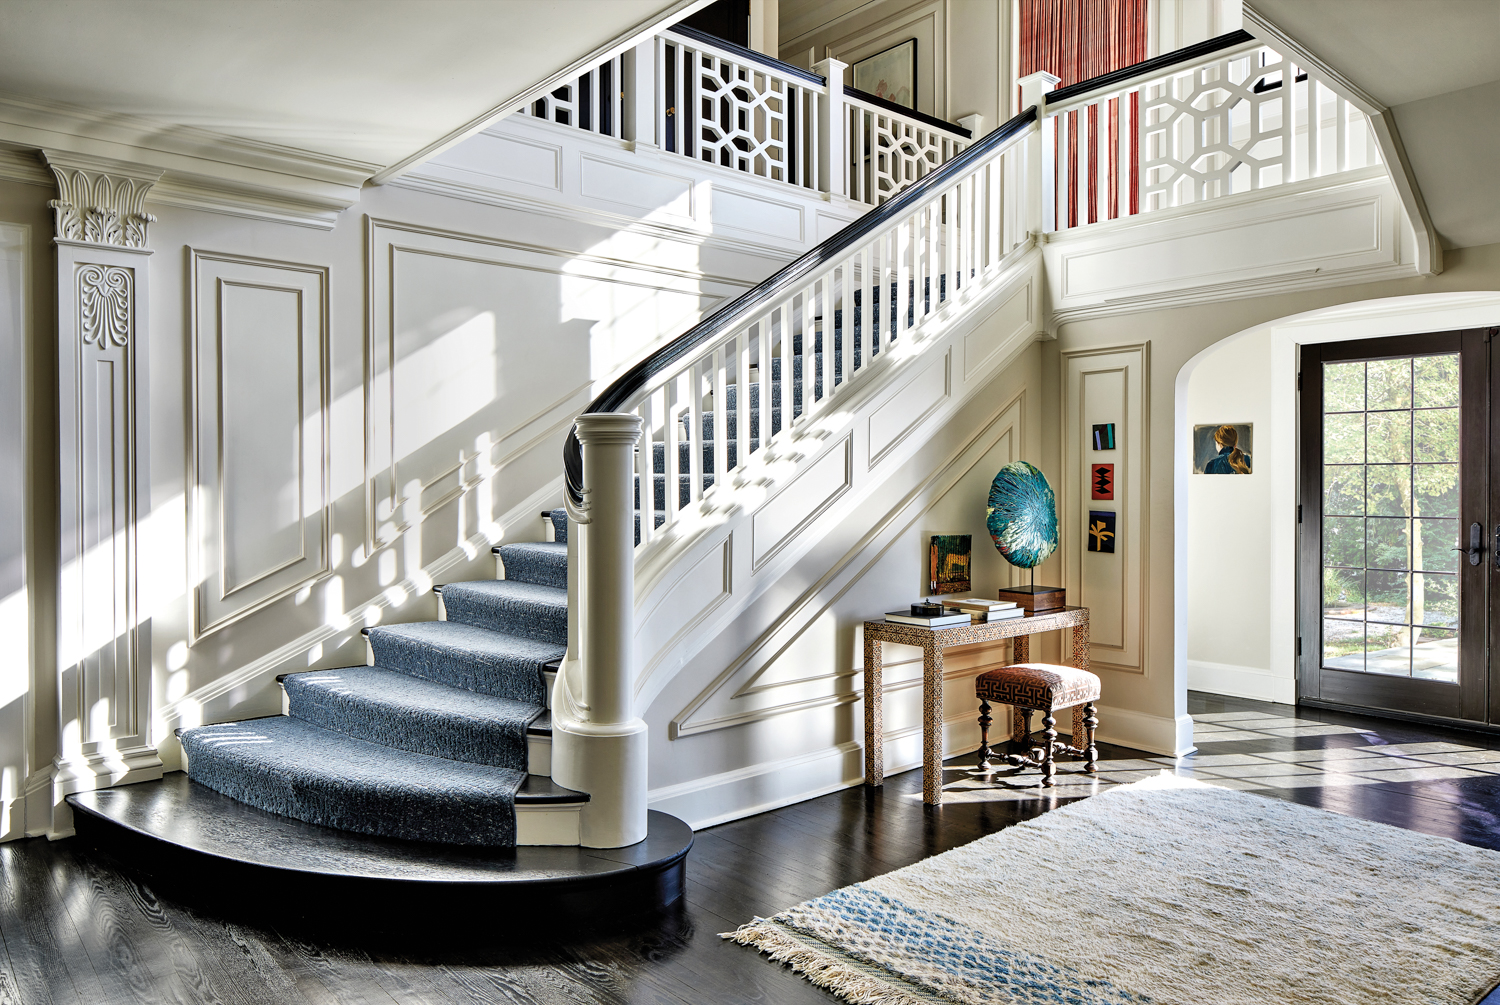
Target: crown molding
(199, 169)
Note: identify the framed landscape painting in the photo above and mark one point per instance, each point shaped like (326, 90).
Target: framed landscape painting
(890, 74)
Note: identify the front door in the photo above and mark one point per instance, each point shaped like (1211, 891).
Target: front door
(1398, 542)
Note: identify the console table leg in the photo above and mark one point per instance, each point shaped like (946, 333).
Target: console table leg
(932, 724)
(874, 714)
(1020, 649)
(1081, 646)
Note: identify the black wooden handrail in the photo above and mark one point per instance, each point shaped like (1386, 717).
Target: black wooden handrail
(1151, 67)
(902, 110)
(787, 280)
(749, 55)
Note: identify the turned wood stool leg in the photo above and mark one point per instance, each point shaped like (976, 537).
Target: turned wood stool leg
(1020, 730)
(1049, 736)
(1090, 723)
(984, 734)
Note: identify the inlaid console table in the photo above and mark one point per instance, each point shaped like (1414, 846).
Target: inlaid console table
(932, 642)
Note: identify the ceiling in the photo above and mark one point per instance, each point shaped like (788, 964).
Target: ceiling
(369, 81)
(1436, 65)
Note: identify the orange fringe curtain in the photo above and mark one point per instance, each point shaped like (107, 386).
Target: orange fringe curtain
(1078, 40)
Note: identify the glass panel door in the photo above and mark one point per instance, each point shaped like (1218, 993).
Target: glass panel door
(1391, 443)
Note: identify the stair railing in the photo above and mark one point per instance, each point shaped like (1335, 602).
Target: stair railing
(1223, 117)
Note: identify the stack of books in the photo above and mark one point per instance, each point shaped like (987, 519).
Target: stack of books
(981, 611)
(951, 616)
(963, 611)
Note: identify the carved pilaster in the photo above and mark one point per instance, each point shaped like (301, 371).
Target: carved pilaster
(104, 662)
(100, 201)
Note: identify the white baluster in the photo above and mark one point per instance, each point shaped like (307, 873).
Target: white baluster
(742, 396)
(695, 433)
(723, 359)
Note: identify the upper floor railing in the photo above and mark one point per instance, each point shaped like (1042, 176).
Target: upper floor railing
(1227, 116)
(691, 94)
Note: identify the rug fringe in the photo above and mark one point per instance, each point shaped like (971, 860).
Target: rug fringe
(822, 969)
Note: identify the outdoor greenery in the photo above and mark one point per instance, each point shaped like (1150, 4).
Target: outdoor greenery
(1390, 502)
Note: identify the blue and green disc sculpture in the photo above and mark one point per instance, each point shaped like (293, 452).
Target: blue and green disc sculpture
(1022, 515)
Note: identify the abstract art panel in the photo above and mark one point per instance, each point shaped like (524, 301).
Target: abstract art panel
(1101, 531)
(1104, 436)
(1102, 481)
(891, 74)
(948, 564)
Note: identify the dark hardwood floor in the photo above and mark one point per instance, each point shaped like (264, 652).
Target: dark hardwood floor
(78, 927)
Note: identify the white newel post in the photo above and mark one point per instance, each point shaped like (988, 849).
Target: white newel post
(104, 644)
(1041, 184)
(833, 165)
(599, 743)
(639, 73)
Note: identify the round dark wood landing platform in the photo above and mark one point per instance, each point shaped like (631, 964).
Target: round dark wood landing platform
(234, 860)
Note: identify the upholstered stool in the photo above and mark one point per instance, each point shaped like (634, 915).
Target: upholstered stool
(1044, 687)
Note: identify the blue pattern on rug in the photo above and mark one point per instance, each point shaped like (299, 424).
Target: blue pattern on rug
(941, 955)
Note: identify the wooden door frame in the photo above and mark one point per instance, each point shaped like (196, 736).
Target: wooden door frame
(1473, 701)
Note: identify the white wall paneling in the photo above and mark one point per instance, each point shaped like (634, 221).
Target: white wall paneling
(1107, 386)
(528, 163)
(472, 339)
(15, 628)
(103, 314)
(258, 516)
(1305, 235)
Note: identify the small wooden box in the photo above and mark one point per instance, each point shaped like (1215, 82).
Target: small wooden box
(1032, 599)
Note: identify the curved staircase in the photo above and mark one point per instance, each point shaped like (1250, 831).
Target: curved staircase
(437, 753)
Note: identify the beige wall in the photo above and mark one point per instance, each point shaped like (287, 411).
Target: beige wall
(963, 48)
(1176, 337)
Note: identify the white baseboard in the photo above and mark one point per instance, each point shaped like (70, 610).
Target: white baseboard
(1241, 682)
(1160, 734)
(743, 792)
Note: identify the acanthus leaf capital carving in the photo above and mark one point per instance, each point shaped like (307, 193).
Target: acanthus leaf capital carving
(101, 201)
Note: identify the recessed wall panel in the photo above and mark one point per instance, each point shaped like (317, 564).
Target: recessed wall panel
(259, 509)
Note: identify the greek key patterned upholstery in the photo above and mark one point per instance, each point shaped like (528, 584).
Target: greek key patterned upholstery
(1037, 685)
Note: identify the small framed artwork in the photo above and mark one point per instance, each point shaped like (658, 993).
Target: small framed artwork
(1101, 531)
(1223, 448)
(890, 74)
(1104, 436)
(948, 564)
(1102, 481)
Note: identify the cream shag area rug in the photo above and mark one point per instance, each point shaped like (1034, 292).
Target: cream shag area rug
(1167, 891)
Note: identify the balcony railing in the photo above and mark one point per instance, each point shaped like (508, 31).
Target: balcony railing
(1228, 116)
(691, 94)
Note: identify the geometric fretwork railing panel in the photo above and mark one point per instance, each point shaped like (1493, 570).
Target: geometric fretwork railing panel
(724, 109)
(1240, 120)
(723, 105)
(1237, 126)
(888, 152)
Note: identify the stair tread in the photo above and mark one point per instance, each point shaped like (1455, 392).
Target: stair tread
(414, 713)
(471, 638)
(519, 609)
(544, 563)
(541, 725)
(357, 785)
(467, 656)
(533, 548)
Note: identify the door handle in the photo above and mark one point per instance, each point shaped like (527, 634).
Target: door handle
(1476, 543)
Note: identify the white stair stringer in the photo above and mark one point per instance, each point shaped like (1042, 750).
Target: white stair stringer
(722, 555)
